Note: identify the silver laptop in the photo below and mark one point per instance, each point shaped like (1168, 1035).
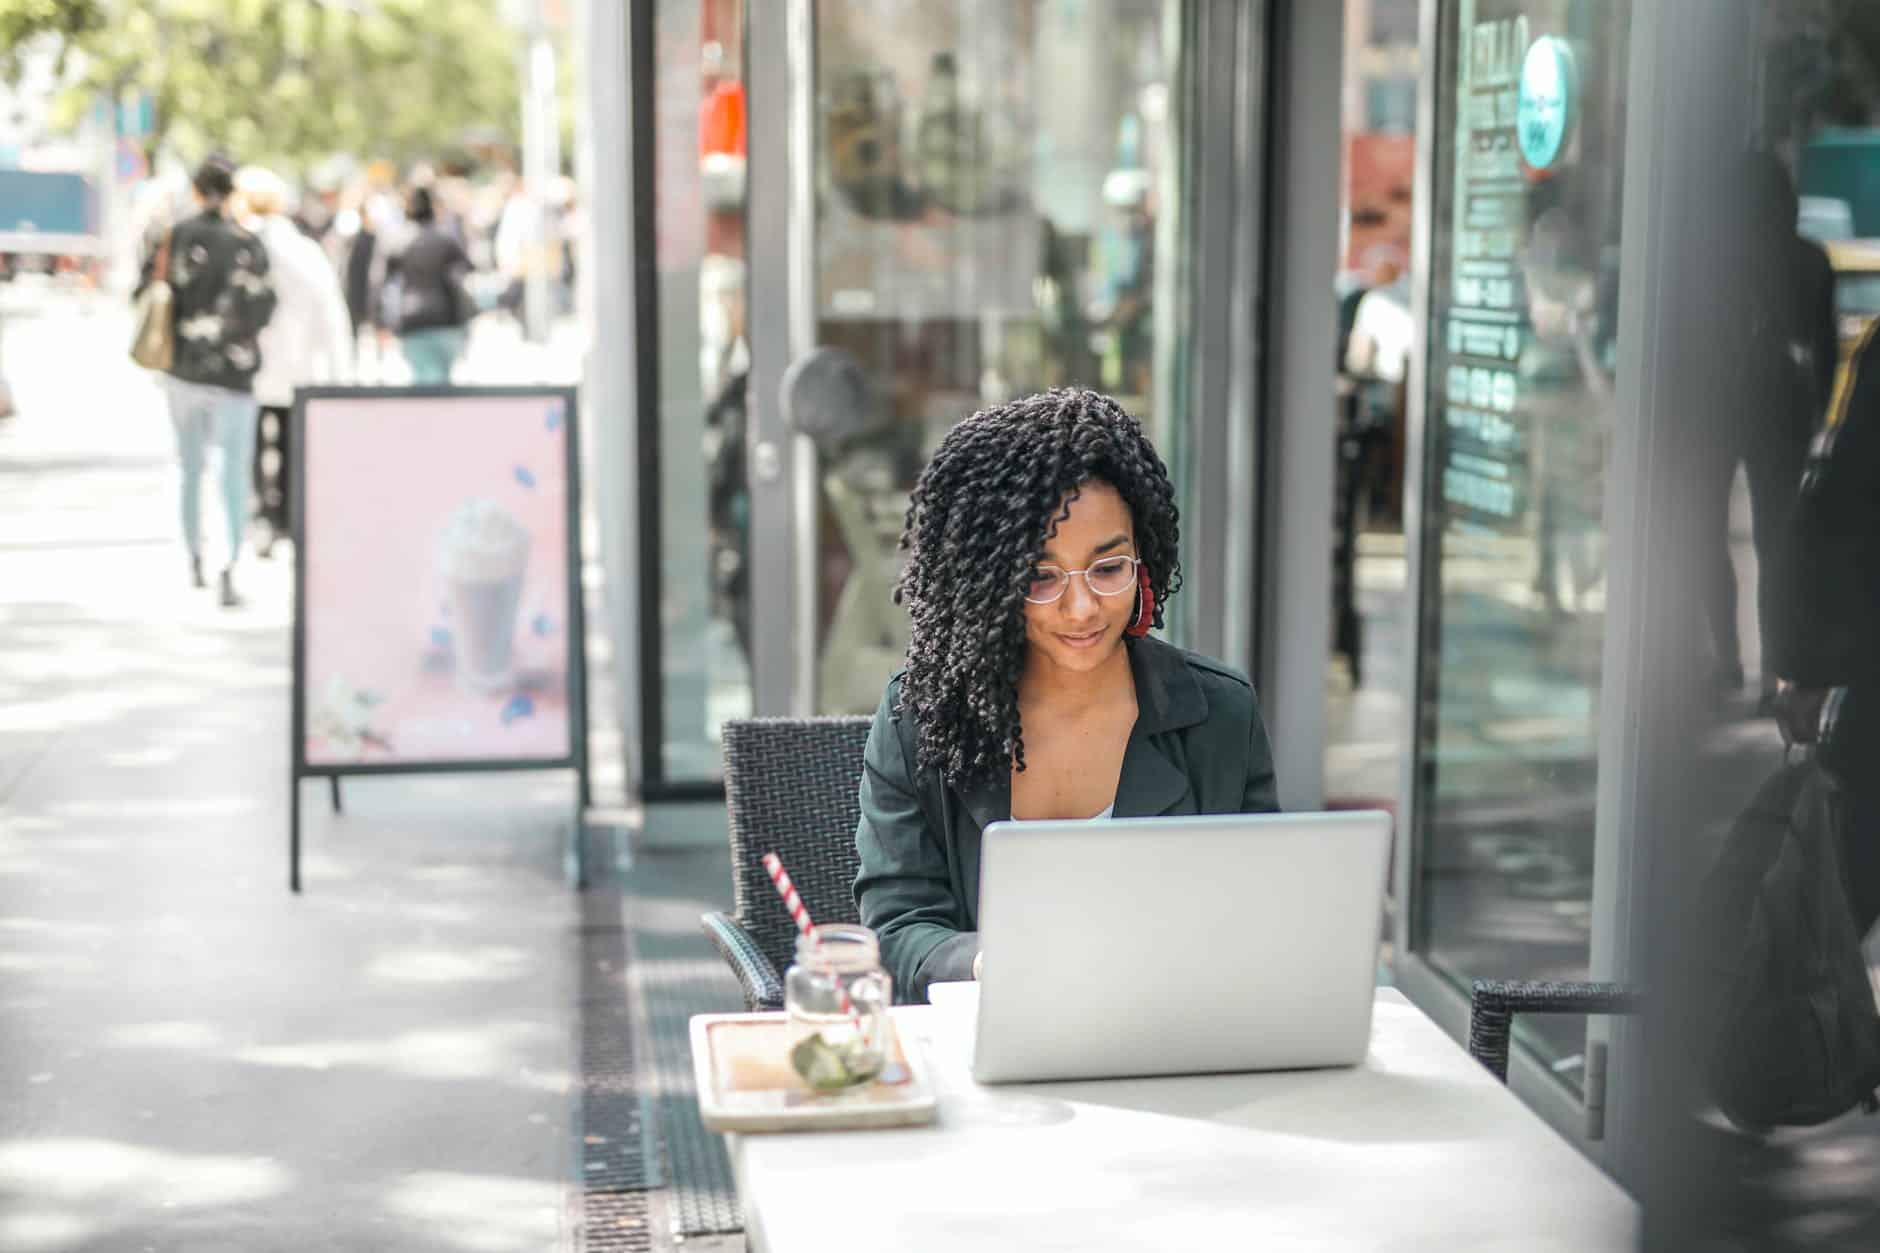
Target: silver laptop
(1165, 946)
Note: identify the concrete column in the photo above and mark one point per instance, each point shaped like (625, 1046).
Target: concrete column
(609, 401)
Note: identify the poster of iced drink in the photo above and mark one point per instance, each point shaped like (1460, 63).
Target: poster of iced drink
(437, 576)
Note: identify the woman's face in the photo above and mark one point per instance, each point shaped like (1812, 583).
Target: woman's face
(1081, 630)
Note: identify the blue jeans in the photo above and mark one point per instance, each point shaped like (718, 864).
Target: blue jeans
(431, 353)
(205, 416)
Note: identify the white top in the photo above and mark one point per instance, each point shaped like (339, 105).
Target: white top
(1109, 811)
(309, 338)
(1418, 1148)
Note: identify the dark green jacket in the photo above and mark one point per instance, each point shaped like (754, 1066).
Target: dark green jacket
(1198, 747)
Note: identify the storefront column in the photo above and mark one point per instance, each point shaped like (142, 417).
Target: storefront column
(1688, 131)
(609, 401)
(1296, 454)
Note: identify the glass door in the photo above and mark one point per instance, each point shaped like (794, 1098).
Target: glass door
(1522, 334)
(692, 375)
(952, 204)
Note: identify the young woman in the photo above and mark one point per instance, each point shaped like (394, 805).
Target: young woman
(1042, 548)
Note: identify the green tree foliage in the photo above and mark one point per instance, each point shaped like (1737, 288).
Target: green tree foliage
(22, 22)
(289, 81)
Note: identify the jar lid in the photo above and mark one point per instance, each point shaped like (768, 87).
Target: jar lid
(840, 946)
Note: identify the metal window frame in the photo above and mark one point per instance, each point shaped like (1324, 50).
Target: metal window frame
(1416, 396)
(643, 271)
(608, 388)
(643, 279)
(1294, 332)
(780, 230)
(1686, 103)
(1227, 80)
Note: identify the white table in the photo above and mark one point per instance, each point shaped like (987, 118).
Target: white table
(1418, 1148)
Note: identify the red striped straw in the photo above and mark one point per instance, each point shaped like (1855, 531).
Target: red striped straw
(780, 878)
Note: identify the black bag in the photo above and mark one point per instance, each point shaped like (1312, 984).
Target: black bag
(1795, 1035)
(463, 302)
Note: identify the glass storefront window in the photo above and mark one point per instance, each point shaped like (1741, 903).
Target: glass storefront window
(1523, 324)
(998, 209)
(703, 614)
(1366, 686)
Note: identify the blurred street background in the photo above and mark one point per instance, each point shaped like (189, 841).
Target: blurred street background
(188, 1063)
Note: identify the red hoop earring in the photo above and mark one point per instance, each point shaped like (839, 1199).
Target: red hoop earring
(1145, 605)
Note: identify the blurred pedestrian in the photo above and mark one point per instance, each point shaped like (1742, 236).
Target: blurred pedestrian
(1780, 348)
(222, 298)
(314, 211)
(358, 259)
(1828, 655)
(427, 302)
(516, 243)
(372, 228)
(309, 339)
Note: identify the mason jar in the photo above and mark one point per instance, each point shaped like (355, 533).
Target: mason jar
(836, 1044)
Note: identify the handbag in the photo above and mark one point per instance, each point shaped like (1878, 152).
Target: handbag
(463, 301)
(1788, 1007)
(153, 344)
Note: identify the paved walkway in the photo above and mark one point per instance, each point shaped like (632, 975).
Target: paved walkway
(190, 1058)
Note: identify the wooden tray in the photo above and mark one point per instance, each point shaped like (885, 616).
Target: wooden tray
(745, 1083)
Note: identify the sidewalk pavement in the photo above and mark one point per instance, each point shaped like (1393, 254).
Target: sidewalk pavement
(191, 1058)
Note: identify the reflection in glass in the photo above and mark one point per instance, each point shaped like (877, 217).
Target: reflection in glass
(704, 602)
(1366, 685)
(1783, 440)
(1523, 333)
(996, 188)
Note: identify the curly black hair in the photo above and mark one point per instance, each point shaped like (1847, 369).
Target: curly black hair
(977, 523)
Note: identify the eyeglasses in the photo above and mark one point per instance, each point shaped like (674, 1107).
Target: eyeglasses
(1111, 576)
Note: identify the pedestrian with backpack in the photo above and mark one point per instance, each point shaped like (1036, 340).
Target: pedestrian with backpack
(215, 279)
(1829, 661)
(1794, 1031)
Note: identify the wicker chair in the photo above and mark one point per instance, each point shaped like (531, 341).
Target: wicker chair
(1493, 1003)
(792, 787)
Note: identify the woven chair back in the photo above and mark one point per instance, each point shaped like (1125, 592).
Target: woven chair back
(792, 787)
